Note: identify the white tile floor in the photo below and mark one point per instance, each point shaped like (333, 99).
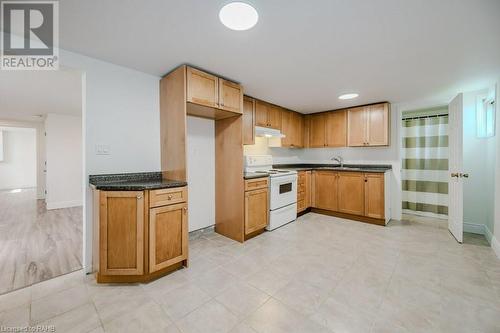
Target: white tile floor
(319, 274)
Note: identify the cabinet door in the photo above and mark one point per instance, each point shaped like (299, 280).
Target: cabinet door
(356, 127)
(378, 125)
(121, 233)
(230, 96)
(274, 116)
(325, 190)
(248, 121)
(336, 129)
(317, 131)
(256, 210)
(202, 88)
(287, 128)
(261, 114)
(298, 128)
(351, 187)
(168, 236)
(374, 195)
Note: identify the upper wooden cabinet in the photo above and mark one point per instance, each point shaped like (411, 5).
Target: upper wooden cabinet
(336, 129)
(208, 90)
(202, 88)
(121, 233)
(328, 129)
(325, 190)
(368, 125)
(292, 126)
(267, 115)
(248, 121)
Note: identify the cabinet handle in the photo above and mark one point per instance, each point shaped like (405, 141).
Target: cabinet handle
(139, 196)
(185, 209)
(169, 197)
(456, 175)
(464, 175)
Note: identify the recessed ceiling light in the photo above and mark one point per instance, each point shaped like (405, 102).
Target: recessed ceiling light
(348, 96)
(238, 16)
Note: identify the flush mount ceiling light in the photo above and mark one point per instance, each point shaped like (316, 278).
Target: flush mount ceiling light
(348, 96)
(238, 16)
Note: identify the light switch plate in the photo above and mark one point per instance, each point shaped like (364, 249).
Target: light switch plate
(102, 149)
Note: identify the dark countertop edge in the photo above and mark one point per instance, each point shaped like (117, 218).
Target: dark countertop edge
(376, 168)
(139, 181)
(254, 175)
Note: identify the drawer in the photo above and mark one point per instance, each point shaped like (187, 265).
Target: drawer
(255, 184)
(167, 196)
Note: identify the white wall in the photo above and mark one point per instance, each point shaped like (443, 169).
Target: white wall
(121, 110)
(63, 147)
(201, 172)
(19, 166)
(479, 163)
(495, 242)
(375, 155)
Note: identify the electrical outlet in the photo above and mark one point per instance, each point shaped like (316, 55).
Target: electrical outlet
(102, 149)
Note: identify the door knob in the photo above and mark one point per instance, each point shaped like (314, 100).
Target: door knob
(455, 174)
(464, 175)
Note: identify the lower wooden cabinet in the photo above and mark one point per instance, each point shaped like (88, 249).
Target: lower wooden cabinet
(303, 190)
(256, 205)
(374, 195)
(121, 230)
(168, 236)
(139, 239)
(325, 185)
(351, 193)
(356, 194)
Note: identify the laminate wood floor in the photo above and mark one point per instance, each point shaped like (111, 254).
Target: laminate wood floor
(36, 244)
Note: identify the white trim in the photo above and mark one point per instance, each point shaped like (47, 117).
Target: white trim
(64, 204)
(488, 234)
(495, 245)
(474, 228)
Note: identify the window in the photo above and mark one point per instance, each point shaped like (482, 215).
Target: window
(485, 116)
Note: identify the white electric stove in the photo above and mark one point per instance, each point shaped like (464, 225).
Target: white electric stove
(282, 189)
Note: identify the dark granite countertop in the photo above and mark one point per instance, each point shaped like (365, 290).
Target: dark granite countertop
(375, 168)
(133, 181)
(252, 175)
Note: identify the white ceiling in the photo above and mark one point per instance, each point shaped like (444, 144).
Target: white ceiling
(26, 94)
(302, 54)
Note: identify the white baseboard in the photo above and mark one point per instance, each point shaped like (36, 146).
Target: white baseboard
(474, 228)
(63, 204)
(488, 234)
(495, 245)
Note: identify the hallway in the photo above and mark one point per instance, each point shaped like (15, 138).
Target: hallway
(36, 244)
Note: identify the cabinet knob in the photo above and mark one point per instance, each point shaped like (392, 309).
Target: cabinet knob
(185, 209)
(464, 175)
(455, 174)
(139, 196)
(169, 197)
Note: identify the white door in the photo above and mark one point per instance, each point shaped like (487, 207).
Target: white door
(455, 164)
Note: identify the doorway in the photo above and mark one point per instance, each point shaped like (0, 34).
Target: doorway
(41, 176)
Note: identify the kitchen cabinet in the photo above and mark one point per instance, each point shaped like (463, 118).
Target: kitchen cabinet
(256, 205)
(374, 192)
(248, 121)
(267, 115)
(121, 230)
(303, 190)
(317, 134)
(142, 234)
(328, 129)
(207, 90)
(202, 88)
(325, 190)
(168, 236)
(351, 193)
(292, 126)
(368, 125)
(336, 128)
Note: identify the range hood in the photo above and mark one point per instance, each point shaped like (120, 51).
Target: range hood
(268, 132)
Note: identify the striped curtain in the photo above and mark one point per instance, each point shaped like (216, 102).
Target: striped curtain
(425, 165)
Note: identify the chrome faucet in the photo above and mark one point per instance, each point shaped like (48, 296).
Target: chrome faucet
(339, 159)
